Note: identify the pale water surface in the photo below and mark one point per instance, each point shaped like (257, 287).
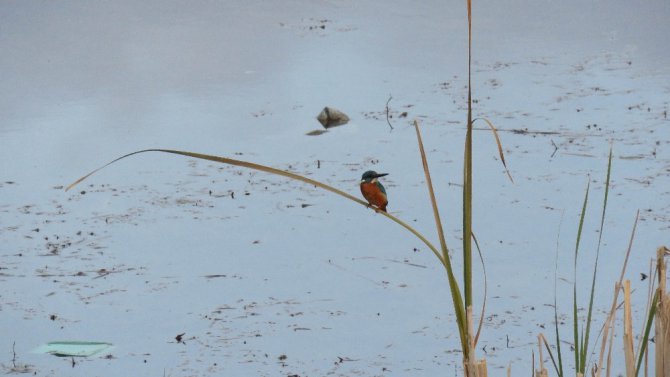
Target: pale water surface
(269, 277)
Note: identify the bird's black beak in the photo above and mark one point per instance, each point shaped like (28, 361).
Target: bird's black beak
(380, 175)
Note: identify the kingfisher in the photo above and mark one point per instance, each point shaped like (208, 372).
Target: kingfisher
(373, 191)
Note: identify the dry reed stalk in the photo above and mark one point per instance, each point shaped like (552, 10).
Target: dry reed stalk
(480, 368)
(662, 329)
(610, 326)
(609, 322)
(542, 372)
(473, 367)
(646, 364)
(476, 368)
(607, 336)
(651, 294)
(628, 331)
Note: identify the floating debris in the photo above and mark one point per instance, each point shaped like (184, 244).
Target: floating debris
(316, 132)
(73, 348)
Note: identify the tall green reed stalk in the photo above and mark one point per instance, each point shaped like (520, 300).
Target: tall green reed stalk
(467, 180)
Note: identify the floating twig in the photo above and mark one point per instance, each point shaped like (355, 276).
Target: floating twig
(555, 148)
(14, 354)
(387, 111)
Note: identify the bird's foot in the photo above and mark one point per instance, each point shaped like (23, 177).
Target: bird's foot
(375, 208)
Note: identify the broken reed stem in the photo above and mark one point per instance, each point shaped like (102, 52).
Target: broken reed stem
(609, 322)
(646, 363)
(662, 329)
(473, 367)
(628, 331)
(470, 369)
(542, 372)
(609, 326)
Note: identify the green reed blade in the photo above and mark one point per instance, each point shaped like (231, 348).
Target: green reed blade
(647, 329)
(577, 342)
(585, 345)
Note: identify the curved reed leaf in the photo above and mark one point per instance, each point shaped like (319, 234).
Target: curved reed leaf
(453, 283)
(500, 148)
(431, 193)
(270, 170)
(486, 289)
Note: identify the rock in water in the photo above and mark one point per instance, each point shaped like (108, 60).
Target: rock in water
(330, 117)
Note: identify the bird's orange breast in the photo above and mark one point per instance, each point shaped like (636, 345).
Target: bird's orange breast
(374, 195)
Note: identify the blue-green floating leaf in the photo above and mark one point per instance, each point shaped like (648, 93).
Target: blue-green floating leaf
(73, 348)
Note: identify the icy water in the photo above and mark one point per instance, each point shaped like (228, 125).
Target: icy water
(194, 268)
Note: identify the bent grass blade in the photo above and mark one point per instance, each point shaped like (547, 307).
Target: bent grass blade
(453, 283)
(270, 170)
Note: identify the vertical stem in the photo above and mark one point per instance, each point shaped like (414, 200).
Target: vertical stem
(662, 331)
(628, 332)
(467, 180)
(542, 372)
